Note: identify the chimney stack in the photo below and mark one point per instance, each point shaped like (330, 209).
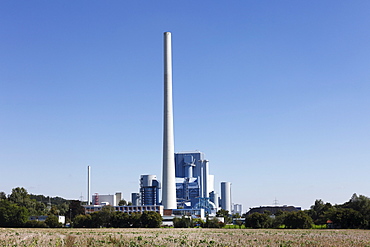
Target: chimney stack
(169, 183)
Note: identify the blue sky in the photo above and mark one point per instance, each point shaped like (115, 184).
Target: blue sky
(275, 93)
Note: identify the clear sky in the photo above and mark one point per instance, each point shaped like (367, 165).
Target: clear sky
(275, 93)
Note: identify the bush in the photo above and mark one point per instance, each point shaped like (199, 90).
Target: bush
(213, 223)
(183, 222)
(83, 221)
(151, 219)
(298, 220)
(35, 224)
(198, 222)
(258, 220)
(52, 221)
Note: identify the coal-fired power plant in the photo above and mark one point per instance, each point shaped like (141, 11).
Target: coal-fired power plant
(187, 186)
(168, 175)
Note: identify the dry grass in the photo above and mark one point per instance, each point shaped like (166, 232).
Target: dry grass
(182, 237)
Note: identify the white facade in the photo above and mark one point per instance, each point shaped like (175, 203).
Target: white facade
(61, 218)
(112, 200)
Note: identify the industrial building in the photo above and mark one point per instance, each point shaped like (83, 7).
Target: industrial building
(112, 200)
(149, 190)
(193, 181)
(237, 209)
(126, 209)
(194, 187)
(186, 183)
(226, 196)
(135, 199)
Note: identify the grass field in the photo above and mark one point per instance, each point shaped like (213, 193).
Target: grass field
(181, 237)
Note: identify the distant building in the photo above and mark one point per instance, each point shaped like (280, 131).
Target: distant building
(193, 181)
(61, 218)
(237, 209)
(135, 199)
(112, 200)
(273, 209)
(213, 197)
(126, 209)
(149, 190)
(194, 186)
(226, 196)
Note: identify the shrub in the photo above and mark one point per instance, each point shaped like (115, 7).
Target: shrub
(35, 224)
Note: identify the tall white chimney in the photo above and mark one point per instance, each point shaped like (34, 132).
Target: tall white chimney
(88, 186)
(168, 183)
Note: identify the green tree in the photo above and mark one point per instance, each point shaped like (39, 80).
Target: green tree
(183, 222)
(224, 213)
(54, 210)
(12, 215)
(35, 224)
(297, 220)
(361, 204)
(258, 220)
(122, 202)
(346, 218)
(83, 221)
(2, 196)
(318, 212)
(213, 223)
(102, 218)
(52, 221)
(75, 209)
(20, 197)
(151, 219)
(120, 219)
(135, 220)
(63, 208)
(278, 220)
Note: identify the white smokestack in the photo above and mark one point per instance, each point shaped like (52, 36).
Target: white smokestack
(88, 186)
(169, 183)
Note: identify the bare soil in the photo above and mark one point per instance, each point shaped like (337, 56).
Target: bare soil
(181, 237)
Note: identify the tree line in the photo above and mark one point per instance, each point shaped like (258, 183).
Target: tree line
(16, 208)
(108, 217)
(354, 214)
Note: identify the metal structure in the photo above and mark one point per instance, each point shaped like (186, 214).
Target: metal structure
(194, 184)
(96, 199)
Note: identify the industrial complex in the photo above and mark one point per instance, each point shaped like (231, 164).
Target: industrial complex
(187, 187)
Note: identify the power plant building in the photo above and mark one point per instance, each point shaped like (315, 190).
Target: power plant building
(226, 196)
(135, 199)
(112, 200)
(149, 190)
(186, 182)
(187, 187)
(193, 182)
